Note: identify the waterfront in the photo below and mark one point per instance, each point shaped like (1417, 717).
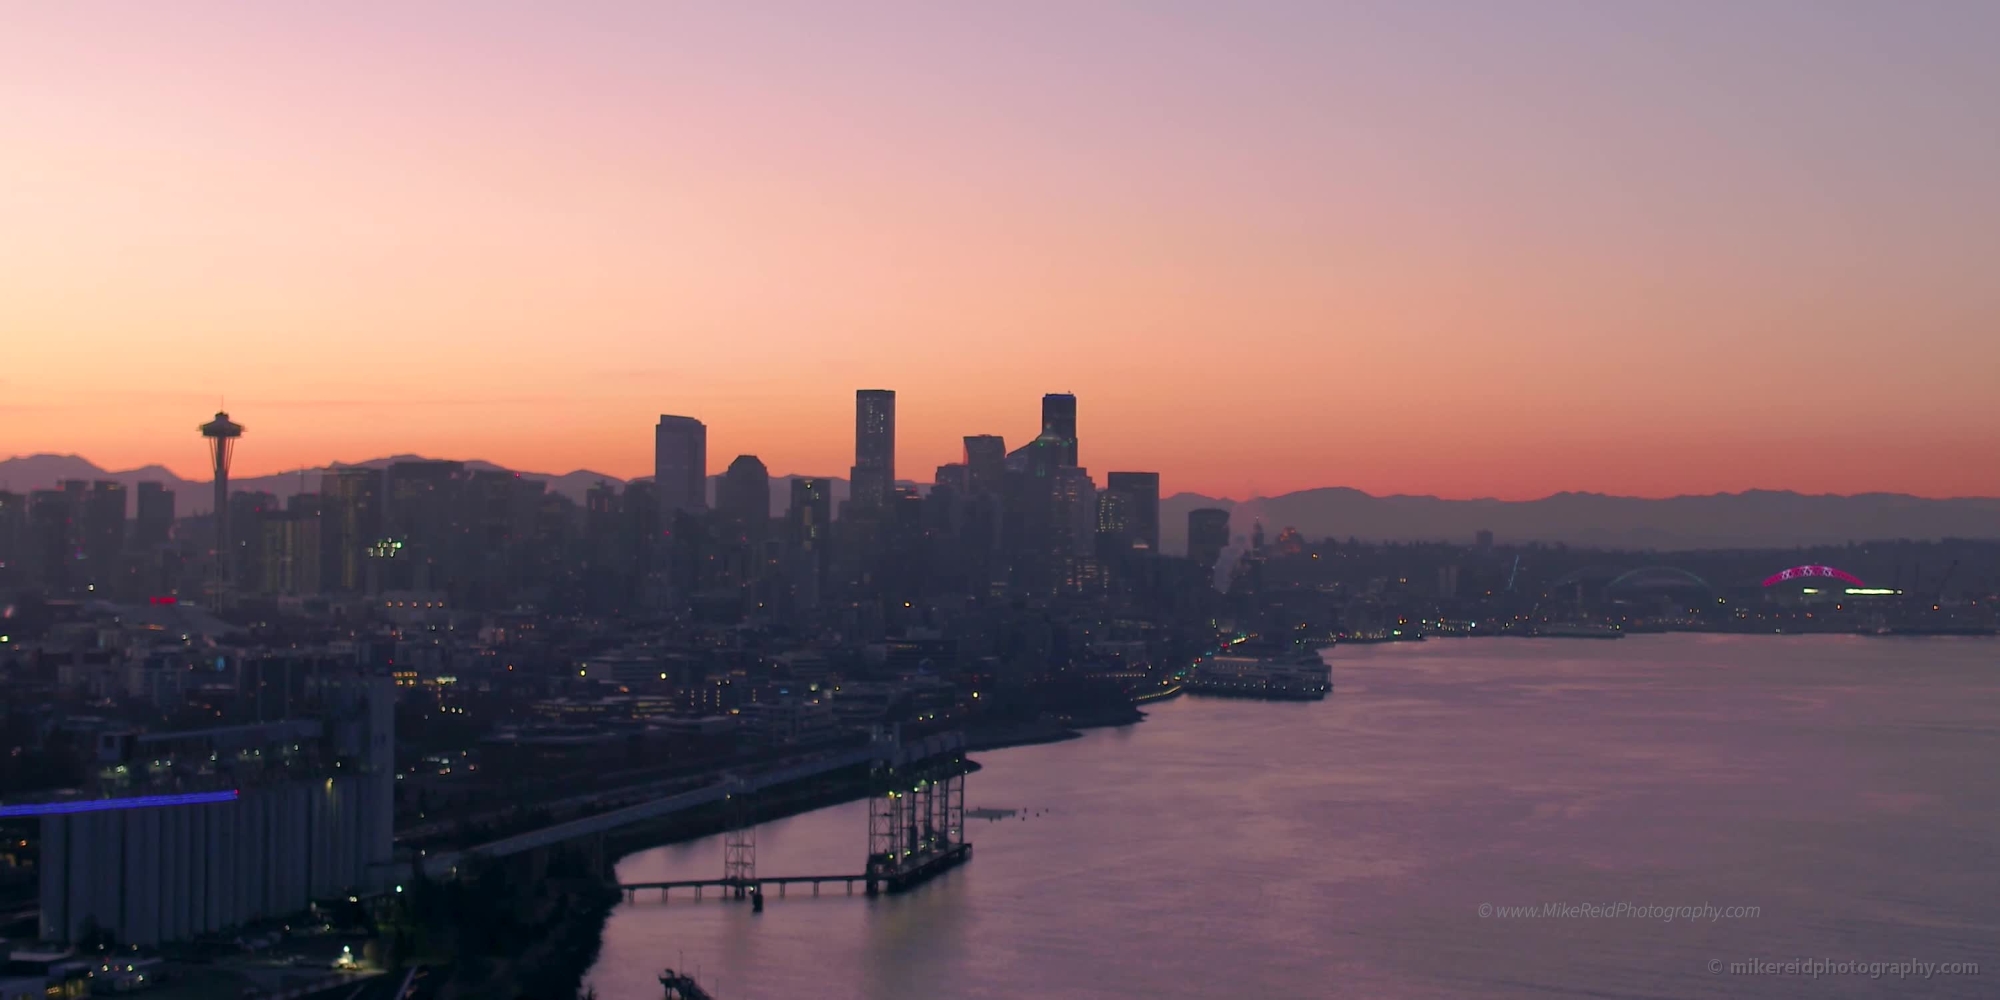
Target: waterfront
(1842, 787)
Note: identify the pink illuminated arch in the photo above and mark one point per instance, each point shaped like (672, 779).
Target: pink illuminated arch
(1807, 572)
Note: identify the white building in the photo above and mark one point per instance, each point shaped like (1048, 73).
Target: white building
(221, 834)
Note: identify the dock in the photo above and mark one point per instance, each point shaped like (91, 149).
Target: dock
(681, 986)
(738, 887)
(885, 879)
(916, 831)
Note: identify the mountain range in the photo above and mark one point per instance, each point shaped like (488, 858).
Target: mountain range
(1753, 519)
(194, 497)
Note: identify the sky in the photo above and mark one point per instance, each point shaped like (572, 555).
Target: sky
(1464, 249)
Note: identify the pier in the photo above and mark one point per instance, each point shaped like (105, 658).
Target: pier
(681, 986)
(916, 830)
(739, 888)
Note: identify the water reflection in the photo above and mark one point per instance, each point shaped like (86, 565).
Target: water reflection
(1228, 848)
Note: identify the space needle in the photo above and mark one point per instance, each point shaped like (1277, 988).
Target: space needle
(221, 433)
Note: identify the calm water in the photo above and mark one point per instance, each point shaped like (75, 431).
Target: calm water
(1847, 788)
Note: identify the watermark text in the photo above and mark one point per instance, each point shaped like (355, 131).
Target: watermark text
(1702, 912)
(1817, 968)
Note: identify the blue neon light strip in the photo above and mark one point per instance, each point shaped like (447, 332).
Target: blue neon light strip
(99, 805)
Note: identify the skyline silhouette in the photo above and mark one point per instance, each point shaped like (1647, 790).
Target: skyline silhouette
(1432, 249)
(1747, 520)
(1355, 497)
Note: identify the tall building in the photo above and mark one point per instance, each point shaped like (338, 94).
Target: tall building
(642, 524)
(873, 479)
(744, 497)
(288, 549)
(808, 535)
(422, 509)
(1139, 503)
(603, 524)
(104, 531)
(247, 511)
(1072, 559)
(221, 434)
(951, 475)
(155, 519)
(52, 537)
(1059, 421)
(351, 521)
(1075, 514)
(1055, 446)
(680, 466)
(422, 497)
(985, 463)
(13, 538)
(1208, 535)
(1116, 551)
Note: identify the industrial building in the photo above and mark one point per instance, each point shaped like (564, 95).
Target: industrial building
(197, 832)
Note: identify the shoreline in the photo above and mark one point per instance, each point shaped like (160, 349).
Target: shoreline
(853, 785)
(849, 785)
(1026, 734)
(812, 795)
(1837, 633)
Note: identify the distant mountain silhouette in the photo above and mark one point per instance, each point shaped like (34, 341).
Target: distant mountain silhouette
(193, 496)
(37, 472)
(1755, 519)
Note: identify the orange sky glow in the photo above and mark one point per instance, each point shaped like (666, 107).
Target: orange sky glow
(1444, 249)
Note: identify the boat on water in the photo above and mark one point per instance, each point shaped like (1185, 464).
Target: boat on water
(1289, 674)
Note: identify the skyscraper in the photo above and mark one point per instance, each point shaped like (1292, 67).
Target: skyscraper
(873, 479)
(744, 495)
(288, 549)
(680, 466)
(156, 515)
(52, 530)
(221, 434)
(951, 475)
(1139, 504)
(1208, 535)
(807, 523)
(1075, 514)
(1114, 523)
(1059, 421)
(352, 521)
(424, 508)
(13, 537)
(246, 513)
(810, 513)
(985, 463)
(104, 530)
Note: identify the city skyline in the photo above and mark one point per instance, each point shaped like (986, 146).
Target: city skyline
(1483, 254)
(191, 472)
(1226, 460)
